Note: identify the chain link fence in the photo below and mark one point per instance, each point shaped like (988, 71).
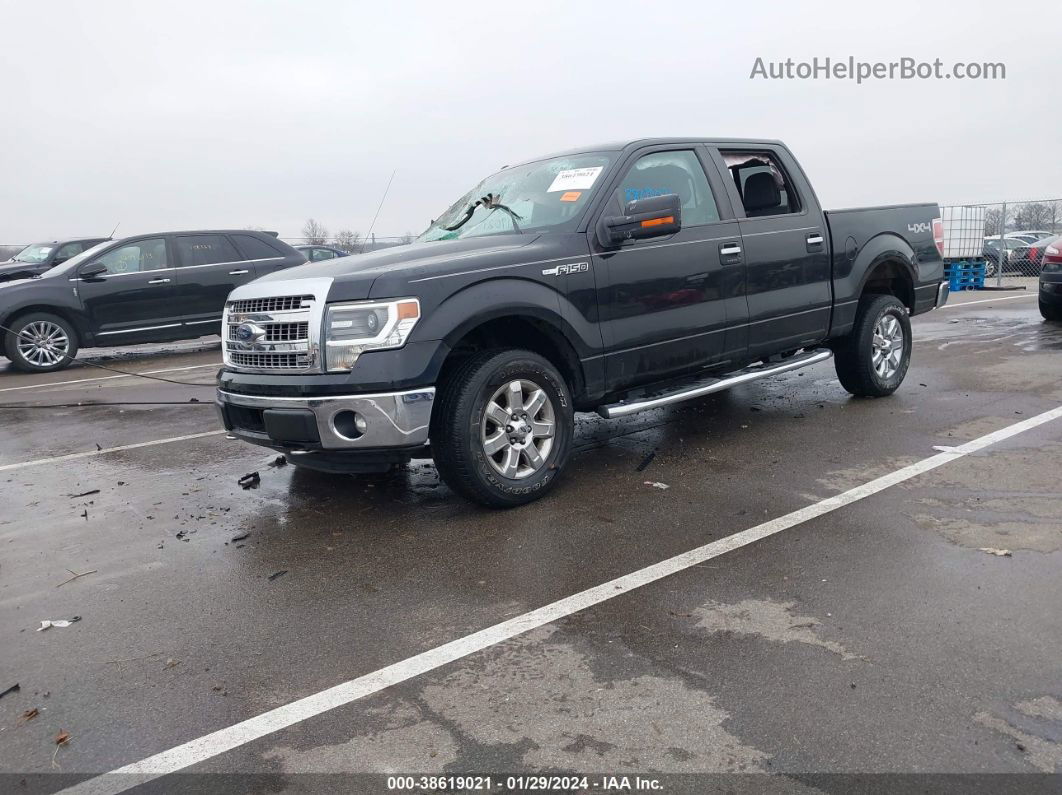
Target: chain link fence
(1014, 236)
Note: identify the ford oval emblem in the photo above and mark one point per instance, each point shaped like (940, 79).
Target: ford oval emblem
(246, 332)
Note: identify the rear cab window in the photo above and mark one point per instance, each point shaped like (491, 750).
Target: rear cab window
(762, 183)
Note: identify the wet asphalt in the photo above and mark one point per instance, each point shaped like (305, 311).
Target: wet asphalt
(877, 639)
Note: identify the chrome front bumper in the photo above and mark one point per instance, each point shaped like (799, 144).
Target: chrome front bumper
(387, 420)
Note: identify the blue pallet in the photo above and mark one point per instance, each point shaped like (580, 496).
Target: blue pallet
(965, 274)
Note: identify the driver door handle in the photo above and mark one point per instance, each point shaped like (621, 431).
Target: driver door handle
(158, 281)
(238, 273)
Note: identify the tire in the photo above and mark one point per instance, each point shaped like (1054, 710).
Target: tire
(465, 430)
(990, 268)
(1050, 311)
(858, 368)
(21, 343)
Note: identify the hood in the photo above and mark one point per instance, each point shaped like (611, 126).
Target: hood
(19, 270)
(353, 276)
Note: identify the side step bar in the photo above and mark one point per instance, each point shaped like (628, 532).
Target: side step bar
(706, 386)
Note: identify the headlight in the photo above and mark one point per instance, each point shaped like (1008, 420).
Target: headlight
(366, 326)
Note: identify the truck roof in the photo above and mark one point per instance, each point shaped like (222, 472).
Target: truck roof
(636, 143)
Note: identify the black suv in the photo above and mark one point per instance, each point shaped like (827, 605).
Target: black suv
(148, 288)
(36, 258)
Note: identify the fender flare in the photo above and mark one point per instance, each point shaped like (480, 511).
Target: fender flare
(885, 247)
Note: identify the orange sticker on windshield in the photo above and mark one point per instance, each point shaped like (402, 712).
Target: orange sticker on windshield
(571, 196)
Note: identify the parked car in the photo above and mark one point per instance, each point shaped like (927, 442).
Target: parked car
(148, 288)
(617, 278)
(36, 258)
(1029, 237)
(991, 254)
(1051, 280)
(315, 253)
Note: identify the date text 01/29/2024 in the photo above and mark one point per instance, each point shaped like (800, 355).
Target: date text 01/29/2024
(522, 783)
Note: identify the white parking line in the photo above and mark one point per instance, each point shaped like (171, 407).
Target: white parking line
(110, 377)
(218, 742)
(988, 300)
(105, 450)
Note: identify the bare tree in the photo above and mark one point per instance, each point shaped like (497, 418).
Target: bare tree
(347, 240)
(314, 233)
(1033, 215)
(407, 238)
(994, 223)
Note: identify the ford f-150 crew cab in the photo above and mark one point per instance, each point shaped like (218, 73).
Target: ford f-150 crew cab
(613, 278)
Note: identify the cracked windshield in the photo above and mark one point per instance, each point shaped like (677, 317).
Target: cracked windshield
(547, 195)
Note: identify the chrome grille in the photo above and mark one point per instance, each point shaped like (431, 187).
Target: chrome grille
(271, 361)
(279, 332)
(283, 303)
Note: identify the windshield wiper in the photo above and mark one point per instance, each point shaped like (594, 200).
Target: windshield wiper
(492, 203)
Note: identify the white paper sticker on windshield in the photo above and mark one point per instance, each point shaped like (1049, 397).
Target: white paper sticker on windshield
(575, 179)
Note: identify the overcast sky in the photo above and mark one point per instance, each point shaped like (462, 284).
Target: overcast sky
(230, 114)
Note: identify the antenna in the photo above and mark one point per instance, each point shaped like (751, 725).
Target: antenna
(115, 228)
(378, 208)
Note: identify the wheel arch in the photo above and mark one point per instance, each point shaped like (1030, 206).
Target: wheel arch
(70, 317)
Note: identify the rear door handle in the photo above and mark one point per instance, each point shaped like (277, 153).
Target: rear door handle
(815, 241)
(237, 273)
(730, 253)
(159, 281)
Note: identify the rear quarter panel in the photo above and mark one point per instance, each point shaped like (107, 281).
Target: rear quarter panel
(862, 238)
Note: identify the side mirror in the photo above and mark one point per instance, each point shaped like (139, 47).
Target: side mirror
(92, 270)
(642, 218)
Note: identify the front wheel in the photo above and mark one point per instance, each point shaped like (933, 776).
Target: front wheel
(501, 428)
(40, 343)
(873, 359)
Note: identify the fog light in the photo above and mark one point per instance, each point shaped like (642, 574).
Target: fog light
(349, 424)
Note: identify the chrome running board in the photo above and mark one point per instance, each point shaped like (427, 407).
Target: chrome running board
(708, 385)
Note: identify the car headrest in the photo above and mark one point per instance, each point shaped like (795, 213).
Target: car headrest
(761, 192)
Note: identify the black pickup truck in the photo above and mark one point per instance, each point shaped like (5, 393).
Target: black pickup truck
(614, 278)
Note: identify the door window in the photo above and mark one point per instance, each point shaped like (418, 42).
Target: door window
(205, 250)
(762, 184)
(322, 253)
(144, 255)
(677, 172)
(67, 251)
(252, 247)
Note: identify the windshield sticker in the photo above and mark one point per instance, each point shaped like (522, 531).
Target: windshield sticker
(575, 179)
(571, 196)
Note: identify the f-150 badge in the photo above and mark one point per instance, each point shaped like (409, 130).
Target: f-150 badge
(564, 270)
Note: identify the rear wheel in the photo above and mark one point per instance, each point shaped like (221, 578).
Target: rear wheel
(40, 343)
(501, 429)
(1050, 311)
(873, 359)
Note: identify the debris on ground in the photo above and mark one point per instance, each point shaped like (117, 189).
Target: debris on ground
(84, 514)
(29, 714)
(277, 574)
(76, 575)
(250, 480)
(171, 663)
(646, 461)
(241, 537)
(62, 737)
(182, 535)
(999, 553)
(279, 461)
(13, 689)
(656, 484)
(84, 494)
(62, 623)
